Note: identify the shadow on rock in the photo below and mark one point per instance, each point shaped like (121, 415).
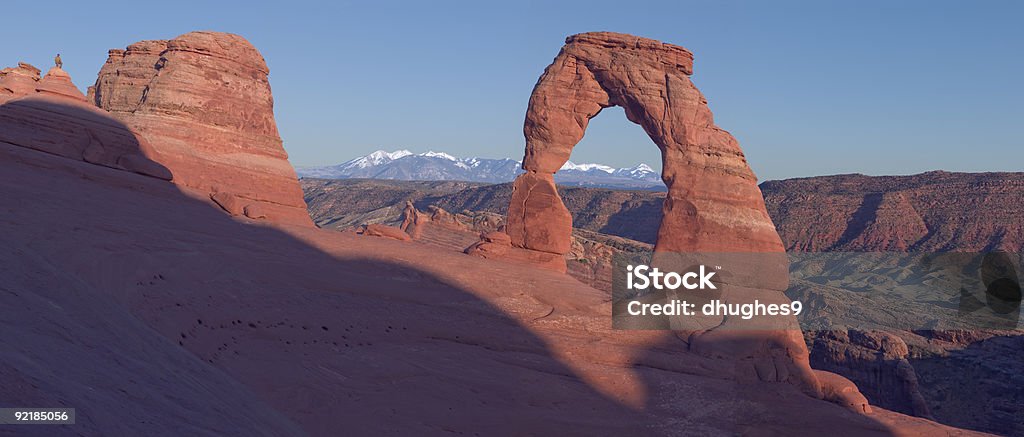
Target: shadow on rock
(128, 296)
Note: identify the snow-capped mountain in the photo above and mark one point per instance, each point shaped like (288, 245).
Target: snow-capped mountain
(375, 159)
(405, 165)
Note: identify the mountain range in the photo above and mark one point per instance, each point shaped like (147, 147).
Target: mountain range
(440, 166)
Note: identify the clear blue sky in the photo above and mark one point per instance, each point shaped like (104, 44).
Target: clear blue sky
(808, 88)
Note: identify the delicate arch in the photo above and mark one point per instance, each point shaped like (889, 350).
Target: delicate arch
(713, 202)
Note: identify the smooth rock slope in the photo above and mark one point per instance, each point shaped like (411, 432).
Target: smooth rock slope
(155, 304)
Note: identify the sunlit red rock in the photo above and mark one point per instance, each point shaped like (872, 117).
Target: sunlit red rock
(58, 81)
(203, 101)
(378, 230)
(18, 81)
(713, 203)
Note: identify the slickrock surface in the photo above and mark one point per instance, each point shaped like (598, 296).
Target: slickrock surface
(52, 116)
(498, 245)
(928, 212)
(203, 324)
(203, 101)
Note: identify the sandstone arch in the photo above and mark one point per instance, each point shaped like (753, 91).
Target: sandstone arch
(713, 207)
(713, 202)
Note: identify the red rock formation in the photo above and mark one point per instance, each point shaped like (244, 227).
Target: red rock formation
(123, 79)
(24, 80)
(713, 202)
(378, 230)
(416, 222)
(537, 219)
(897, 225)
(590, 259)
(843, 392)
(203, 101)
(498, 245)
(878, 360)
(18, 81)
(412, 220)
(51, 115)
(58, 82)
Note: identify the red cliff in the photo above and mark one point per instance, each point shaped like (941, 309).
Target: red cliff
(203, 101)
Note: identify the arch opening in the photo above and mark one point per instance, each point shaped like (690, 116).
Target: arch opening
(623, 146)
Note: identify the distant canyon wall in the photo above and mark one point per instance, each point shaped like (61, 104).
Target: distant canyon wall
(935, 211)
(928, 212)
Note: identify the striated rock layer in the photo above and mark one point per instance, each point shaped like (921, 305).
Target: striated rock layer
(126, 294)
(713, 201)
(18, 81)
(203, 101)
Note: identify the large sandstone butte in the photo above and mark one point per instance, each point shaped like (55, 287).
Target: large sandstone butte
(713, 205)
(203, 101)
